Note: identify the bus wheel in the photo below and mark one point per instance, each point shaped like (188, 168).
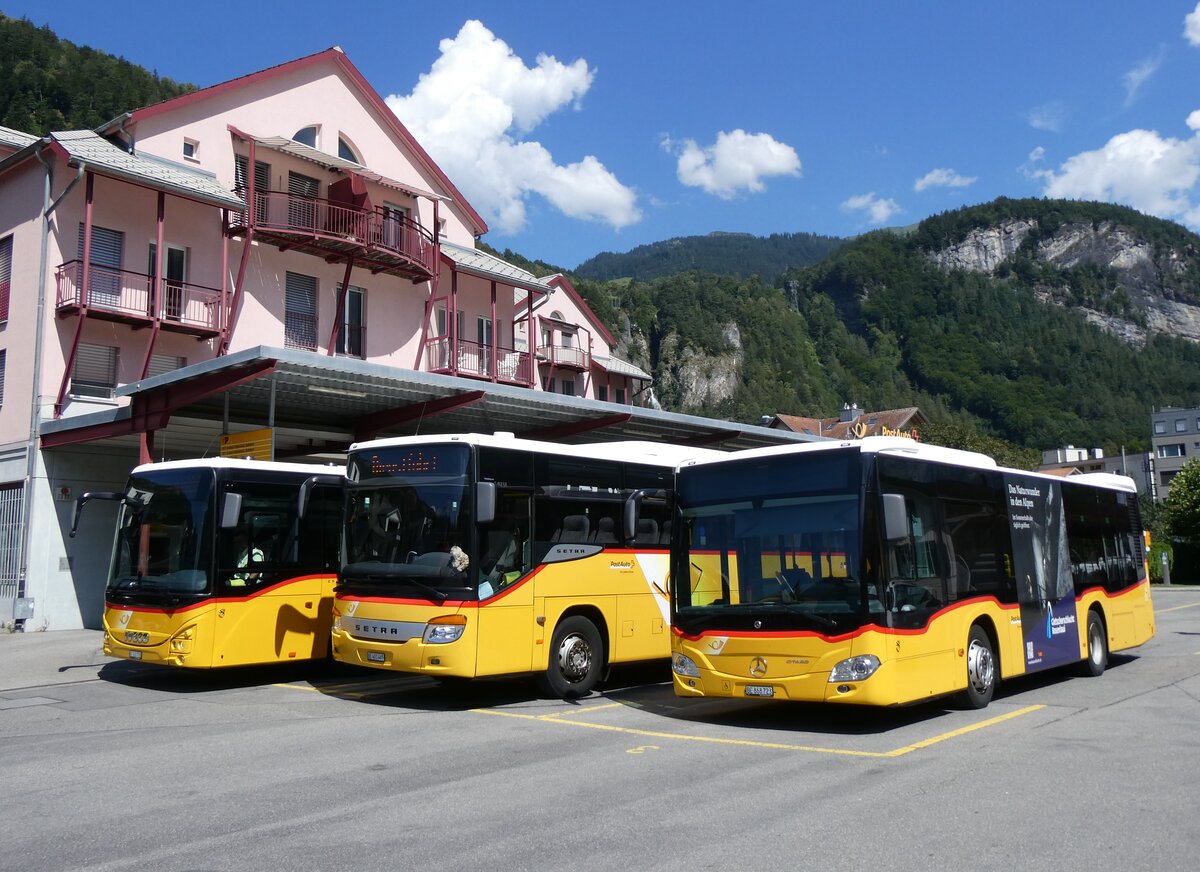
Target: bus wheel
(981, 670)
(1097, 647)
(576, 658)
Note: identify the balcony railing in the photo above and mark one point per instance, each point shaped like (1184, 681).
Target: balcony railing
(474, 360)
(572, 356)
(381, 239)
(121, 295)
(300, 331)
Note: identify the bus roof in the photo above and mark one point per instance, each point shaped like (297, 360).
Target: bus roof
(235, 463)
(635, 451)
(920, 451)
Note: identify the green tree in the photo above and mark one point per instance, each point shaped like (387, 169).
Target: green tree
(1182, 506)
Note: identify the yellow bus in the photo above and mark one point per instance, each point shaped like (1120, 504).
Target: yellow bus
(885, 572)
(475, 555)
(222, 563)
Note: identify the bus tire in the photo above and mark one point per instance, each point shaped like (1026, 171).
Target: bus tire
(576, 659)
(1096, 661)
(981, 669)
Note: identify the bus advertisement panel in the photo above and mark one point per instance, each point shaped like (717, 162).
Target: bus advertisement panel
(473, 555)
(885, 572)
(223, 563)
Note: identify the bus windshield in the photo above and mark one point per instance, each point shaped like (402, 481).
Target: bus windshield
(771, 543)
(408, 520)
(164, 538)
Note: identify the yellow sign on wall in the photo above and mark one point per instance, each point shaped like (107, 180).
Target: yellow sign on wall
(252, 445)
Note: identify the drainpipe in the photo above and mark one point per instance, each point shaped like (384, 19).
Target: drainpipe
(31, 447)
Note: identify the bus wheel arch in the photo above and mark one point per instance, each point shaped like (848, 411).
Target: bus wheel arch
(982, 666)
(577, 658)
(1096, 660)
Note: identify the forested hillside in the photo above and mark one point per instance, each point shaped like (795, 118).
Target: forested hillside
(880, 322)
(47, 83)
(735, 254)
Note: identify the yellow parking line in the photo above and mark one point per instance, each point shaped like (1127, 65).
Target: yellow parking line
(1176, 608)
(778, 746)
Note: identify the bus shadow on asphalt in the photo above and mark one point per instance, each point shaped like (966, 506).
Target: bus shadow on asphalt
(171, 679)
(828, 719)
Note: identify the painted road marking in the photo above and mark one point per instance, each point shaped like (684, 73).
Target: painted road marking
(748, 743)
(1176, 608)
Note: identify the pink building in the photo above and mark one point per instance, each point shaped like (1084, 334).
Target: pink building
(574, 350)
(287, 209)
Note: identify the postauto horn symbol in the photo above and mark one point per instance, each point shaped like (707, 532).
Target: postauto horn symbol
(758, 667)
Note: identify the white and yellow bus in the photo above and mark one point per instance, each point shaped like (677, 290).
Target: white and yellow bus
(474, 555)
(223, 563)
(884, 572)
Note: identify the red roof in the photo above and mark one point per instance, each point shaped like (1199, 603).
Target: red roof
(338, 57)
(866, 424)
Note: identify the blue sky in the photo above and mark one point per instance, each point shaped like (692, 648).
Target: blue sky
(576, 128)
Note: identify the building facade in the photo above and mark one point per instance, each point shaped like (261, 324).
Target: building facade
(1174, 440)
(286, 208)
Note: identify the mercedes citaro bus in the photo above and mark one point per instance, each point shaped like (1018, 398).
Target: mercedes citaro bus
(882, 571)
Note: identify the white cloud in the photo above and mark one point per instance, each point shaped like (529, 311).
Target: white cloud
(1049, 116)
(878, 211)
(738, 161)
(1139, 75)
(943, 178)
(1191, 26)
(471, 112)
(1152, 173)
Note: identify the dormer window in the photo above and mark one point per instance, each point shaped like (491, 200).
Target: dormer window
(306, 136)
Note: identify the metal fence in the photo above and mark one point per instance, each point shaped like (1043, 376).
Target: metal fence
(12, 499)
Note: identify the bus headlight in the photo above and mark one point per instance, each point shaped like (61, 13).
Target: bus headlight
(181, 643)
(855, 669)
(681, 664)
(447, 628)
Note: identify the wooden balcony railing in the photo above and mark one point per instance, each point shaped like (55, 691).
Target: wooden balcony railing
(121, 295)
(474, 360)
(379, 238)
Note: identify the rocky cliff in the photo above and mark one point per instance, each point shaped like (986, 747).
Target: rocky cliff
(1152, 277)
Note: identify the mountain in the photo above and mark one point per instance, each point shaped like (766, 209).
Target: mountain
(47, 83)
(1039, 322)
(736, 254)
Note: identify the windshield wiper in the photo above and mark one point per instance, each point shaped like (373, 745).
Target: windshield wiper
(374, 574)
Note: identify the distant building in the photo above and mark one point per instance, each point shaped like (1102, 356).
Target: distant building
(1174, 440)
(855, 423)
(1076, 461)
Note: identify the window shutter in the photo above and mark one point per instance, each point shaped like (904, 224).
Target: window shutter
(5, 276)
(108, 246)
(95, 371)
(3, 372)
(300, 312)
(164, 363)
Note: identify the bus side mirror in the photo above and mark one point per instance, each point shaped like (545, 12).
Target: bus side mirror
(485, 502)
(231, 510)
(895, 517)
(82, 499)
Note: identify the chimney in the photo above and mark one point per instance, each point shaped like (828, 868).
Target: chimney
(850, 412)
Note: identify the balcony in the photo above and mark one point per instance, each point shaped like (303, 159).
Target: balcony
(474, 360)
(567, 356)
(125, 297)
(378, 240)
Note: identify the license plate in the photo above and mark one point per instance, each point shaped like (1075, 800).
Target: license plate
(759, 690)
(376, 656)
(135, 655)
